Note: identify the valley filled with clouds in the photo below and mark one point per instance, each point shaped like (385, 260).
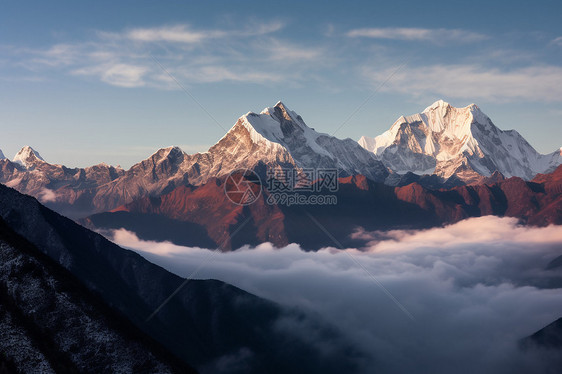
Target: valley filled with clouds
(453, 299)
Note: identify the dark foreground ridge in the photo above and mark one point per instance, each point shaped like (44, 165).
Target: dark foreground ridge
(549, 337)
(50, 322)
(209, 324)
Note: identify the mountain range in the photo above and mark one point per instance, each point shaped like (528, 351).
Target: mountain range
(451, 146)
(277, 138)
(203, 216)
(462, 142)
(180, 197)
(66, 290)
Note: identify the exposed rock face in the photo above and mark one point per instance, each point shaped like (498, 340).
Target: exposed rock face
(276, 138)
(360, 203)
(457, 146)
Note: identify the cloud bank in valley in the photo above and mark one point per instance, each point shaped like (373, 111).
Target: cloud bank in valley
(474, 288)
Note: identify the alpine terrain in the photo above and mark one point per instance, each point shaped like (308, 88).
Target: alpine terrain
(459, 142)
(275, 138)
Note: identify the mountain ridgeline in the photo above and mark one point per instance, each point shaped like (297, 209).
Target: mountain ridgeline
(50, 322)
(441, 147)
(203, 216)
(277, 138)
(440, 166)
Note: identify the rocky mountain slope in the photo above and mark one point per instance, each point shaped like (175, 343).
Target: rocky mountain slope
(209, 324)
(203, 216)
(50, 323)
(455, 145)
(461, 142)
(69, 191)
(276, 138)
(206, 208)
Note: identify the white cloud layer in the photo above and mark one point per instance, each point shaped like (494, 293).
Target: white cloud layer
(474, 288)
(437, 36)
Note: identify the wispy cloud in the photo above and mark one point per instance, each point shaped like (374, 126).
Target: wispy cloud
(557, 41)
(277, 50)
(183, 33)
(57, 55)
(174, 34)
(534, 83)
(252, 53)
(116, 74)
(46, 195)
(221, 73)
(418, 34)
(248, 54)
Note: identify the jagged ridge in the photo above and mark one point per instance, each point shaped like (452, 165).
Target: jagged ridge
(275, 138)
(447, 141)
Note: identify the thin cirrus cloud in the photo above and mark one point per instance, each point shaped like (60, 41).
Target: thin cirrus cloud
(174, 34)
(184, 34)
(215, 74)
(533, 83)
(57, 55)
(418, 34)
(281, 51)
(557, 41)
(252, 54)
(474, 288)
(249, 54)
(116, 74)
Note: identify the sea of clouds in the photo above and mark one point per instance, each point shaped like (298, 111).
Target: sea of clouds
(453, 299)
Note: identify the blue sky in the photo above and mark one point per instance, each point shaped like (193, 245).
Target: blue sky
(81, 81)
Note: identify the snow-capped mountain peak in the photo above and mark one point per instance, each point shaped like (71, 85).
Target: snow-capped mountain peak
(280, 111)
(2, 155)
(436, 105)
(27, 157)
(274, 124)
(279, 137)
(450, 141)
(167, 153)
